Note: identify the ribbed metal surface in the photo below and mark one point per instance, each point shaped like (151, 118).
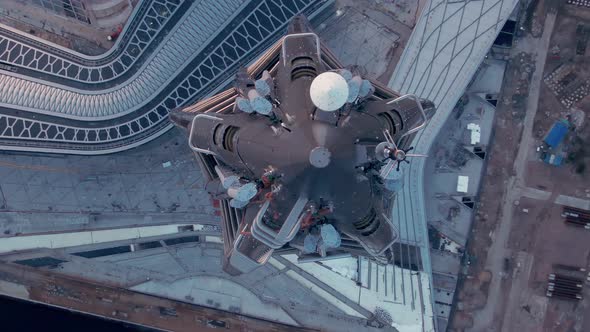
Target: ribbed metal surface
(152, 16)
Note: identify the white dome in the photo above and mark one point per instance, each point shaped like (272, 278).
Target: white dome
(329, 91)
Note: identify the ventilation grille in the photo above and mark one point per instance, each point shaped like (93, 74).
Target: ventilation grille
(228, 138)
(215, 133)
(302, 67)
(368, 224)
(388, 121)
(366, 221)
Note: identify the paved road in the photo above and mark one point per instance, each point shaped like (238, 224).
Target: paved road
(486, 317)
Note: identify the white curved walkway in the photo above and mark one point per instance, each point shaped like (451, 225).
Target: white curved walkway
(447, 46)
(194, 32)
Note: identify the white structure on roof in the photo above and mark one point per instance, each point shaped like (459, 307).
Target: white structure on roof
(63, 240)
(462, 183)
(329, 91)
(475, 130)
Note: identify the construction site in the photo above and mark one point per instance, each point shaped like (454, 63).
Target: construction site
(528, 254)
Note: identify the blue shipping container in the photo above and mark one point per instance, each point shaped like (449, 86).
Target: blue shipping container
(556, 134)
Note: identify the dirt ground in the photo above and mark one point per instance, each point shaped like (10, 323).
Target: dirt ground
(551, 241)
(542, 231)
(538, 237)
(567, 179)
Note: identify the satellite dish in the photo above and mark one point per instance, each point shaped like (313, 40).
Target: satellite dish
(229, 181)
(243, 105)
(259, 104)
(310, 243)
(366, 89)
(243, 193)
(262, 87)
(346, 74)
(354, 86)
(237, 204)
(330, 236)
(329, 91)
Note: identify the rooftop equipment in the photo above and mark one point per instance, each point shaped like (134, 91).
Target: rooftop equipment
(329, 91)
(462, 183)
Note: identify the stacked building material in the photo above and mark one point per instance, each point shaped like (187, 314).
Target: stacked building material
(576, 217)
(564, 287)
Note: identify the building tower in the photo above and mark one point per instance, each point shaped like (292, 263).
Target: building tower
(303, 154)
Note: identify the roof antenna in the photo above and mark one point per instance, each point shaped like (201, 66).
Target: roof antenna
(389, 150)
